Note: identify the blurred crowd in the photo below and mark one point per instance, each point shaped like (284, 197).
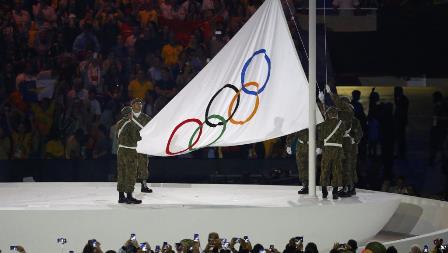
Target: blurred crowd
(215, 244)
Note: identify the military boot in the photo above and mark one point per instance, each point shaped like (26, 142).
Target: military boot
(132, 200)
(304, 190)
(335, 193)
(121, 198)
(352, 190)
(345, 192)
(146, 189)
(324, 192)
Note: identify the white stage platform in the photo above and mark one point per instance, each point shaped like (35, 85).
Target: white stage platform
(35, 214)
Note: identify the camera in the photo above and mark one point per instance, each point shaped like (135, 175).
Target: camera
(299, 239)
(246, 239)
(157, 249)
(133, 237)
(13, 248)
(143, 247)
(165, 245)
(62, 240)
(196, 237)
(425, 249)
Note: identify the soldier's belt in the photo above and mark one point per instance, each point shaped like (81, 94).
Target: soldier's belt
(333, 145)
(123, 146)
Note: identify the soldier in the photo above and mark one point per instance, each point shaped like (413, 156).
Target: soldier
(330, 137)
(126, 158)
(140, 120)
(301, 139)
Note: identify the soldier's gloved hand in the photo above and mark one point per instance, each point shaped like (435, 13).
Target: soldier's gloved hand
(318, 151)
(327, 88)
(289, 150)
(353, 140)
(322, 97)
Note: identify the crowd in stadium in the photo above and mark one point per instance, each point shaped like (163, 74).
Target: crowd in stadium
(215, 244)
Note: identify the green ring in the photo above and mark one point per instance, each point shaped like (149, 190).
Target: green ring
(214, 116)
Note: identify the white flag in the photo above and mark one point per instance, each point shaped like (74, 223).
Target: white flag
(253, 90)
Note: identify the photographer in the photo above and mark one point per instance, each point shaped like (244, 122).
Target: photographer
(214, 243)
(245, 245)
(295, 245)
(92, 246)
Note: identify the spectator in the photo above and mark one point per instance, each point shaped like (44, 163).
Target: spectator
(166, 87)
(311, 248)
(94, 106)
(352, 245)
(140, 86)
(86, 41)
(101, 149)
(92, 246)
(78, 91)
(21, 140)
(415, 249)
(171, 51)
(376, 247)
(54, 148)
(391, 249)
(91, 72)
(5, 145)
(401, 120)
(43, 113)
(73, 145)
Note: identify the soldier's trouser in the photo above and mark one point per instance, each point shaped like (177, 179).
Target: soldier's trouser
(142, 167)
(126, 169)
(302, 166)
(354, 168)
(347, 170)
(331, 166)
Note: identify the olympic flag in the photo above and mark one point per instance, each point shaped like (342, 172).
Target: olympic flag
(253, 90)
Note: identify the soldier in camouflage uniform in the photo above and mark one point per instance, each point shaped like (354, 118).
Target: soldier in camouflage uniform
(126, 158)
(140, 119)
(330, 137)
(301, 139)
(346, 114)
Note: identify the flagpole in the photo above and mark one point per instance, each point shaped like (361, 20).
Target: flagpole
(312, 99)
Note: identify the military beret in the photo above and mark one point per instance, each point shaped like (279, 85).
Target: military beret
(126, 110)
(136, 100)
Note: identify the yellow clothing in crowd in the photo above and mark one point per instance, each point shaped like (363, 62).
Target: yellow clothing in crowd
(147, 16)
(138, 90)
(43, 119)
(54, 149)
(170, 54)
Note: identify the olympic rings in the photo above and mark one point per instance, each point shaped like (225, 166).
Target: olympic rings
(257, 103)
(246, 65)
(168, 151)
(224, 124)
(230, 110)
(211, 101)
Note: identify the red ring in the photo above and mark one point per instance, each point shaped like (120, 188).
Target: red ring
(168, 151)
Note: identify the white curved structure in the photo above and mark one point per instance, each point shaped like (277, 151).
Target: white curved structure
(35, 214)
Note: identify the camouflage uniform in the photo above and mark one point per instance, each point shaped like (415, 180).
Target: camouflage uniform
(330, 137)
(126, 155)
(346, 114)
(301, 153)
(142, 159)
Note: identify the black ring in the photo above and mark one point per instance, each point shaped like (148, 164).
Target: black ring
(210, 124)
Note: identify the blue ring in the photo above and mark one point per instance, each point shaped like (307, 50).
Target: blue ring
(246, 65)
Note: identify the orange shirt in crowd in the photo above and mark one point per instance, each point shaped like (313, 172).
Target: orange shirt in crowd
(170, 54)
(138, 90)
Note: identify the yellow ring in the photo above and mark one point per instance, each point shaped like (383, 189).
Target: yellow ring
(257, 103)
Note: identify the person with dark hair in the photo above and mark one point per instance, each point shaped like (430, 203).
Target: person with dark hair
(311, 247)
(353, 245)
(86, 41)
(391, 249)
(92, 246)
(400, 120)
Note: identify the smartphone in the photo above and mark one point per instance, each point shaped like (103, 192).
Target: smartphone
(342, 245)
(93, 242)
(133, 237)
(165, 244)
(13, 248)
(218, 32)
(299, 239)
(196, 237)
(62, 240)
(246, 238)
(425, 249)
(444, 247)
(157, 250)
(143, 247)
